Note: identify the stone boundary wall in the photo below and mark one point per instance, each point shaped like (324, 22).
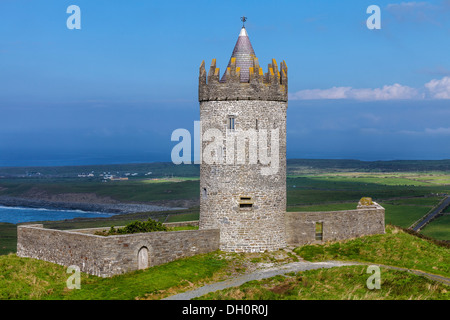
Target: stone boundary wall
(107, 256)
(337, 225)
(227, 183)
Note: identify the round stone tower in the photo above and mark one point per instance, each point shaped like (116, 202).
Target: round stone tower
(243, 150)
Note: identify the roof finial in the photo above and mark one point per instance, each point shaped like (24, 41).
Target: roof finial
(243, 19)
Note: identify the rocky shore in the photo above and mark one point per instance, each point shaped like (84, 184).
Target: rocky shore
(113, 207)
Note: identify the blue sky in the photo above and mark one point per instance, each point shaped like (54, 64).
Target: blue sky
(116, 89)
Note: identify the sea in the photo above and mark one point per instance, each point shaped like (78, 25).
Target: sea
(19, 159)
(20, 214)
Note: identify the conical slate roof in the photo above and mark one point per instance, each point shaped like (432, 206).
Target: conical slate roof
(244, 54)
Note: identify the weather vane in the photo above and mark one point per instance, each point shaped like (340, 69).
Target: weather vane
(243, 19)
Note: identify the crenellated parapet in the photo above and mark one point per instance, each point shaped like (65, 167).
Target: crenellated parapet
(269, 86)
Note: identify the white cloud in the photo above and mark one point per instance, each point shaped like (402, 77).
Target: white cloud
(427, 131)
(435, 89)
(439, 89)
(440, 131)
(312, 94)
(388, 92)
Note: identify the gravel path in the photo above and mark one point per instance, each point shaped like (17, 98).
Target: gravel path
(290, 267)
(257, 275)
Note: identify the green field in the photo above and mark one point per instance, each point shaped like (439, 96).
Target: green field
(420, 201)
(403, 215)
(322, 189)
(438, 228)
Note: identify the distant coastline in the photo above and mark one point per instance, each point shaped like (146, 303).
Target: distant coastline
(116, 208)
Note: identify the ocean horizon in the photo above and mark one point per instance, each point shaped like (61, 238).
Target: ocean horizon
(56, 160)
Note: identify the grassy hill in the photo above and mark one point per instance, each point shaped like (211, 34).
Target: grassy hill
(343, 283)
(24, 278)
(395, 248)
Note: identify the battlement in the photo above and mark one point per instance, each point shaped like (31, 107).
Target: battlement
(271, 86)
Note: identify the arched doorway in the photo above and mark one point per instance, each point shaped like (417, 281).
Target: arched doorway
(143, 258)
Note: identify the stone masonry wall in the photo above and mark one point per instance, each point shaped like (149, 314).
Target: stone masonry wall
(223, 184)
(258, 107)
(106, 256)
(337, 225)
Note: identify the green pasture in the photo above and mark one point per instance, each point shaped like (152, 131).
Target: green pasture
(438, 228)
